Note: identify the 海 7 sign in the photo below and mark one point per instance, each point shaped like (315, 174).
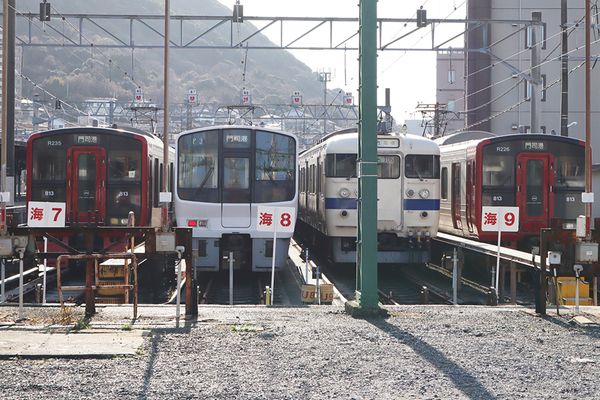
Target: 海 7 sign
(504, 219)
(270, 219)
(46, 214)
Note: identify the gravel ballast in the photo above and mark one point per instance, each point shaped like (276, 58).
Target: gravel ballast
(422, 352)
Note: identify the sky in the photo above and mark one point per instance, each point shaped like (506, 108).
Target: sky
(409, 75)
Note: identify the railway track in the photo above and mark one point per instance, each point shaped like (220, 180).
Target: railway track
(247, 288)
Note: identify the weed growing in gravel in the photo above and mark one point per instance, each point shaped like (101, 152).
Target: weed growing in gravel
(66, 316)
(83, 323)
(126, 327)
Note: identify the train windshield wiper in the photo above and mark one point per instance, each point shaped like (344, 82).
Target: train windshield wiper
(208, 175)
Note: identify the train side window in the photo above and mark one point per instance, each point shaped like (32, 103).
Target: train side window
(445, 183)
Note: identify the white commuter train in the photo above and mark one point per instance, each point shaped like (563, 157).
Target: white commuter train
(408, 193)
(223, 175)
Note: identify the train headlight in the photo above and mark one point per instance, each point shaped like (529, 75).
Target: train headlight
(424, 193)
(410, 193)
(344, 192)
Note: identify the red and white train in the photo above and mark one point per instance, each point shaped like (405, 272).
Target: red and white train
(100, 173)
(543, 175)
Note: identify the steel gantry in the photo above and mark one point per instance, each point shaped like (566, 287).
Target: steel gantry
(220, 32)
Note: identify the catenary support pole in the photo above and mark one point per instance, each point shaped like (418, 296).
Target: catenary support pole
(367, 296)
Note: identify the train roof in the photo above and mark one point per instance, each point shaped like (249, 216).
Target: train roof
(247, 127)
(123, 129)
(346, 141)
(467, 136)
(463, 137)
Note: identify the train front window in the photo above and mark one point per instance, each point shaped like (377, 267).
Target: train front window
(569, 171)
(124, 166)
(422, 166)
(275, 170)
(235, 173)
(388, 167)
(498, 171)
(340, 166)
(124, 177)
(49, 174)
(198, 174)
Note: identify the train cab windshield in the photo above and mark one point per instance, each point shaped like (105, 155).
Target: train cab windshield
(236, 167)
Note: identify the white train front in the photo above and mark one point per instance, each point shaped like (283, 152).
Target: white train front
(226, 177)
(407, 193)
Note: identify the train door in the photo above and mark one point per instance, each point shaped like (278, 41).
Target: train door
(235, 212)
(86, 171)
(470, 195)
(456, 200)
(533, 196)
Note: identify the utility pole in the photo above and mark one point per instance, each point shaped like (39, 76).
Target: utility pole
(535, 81)
(165, 210)
(325, 76)
(8, 108)
(564, 104)
(588, 126)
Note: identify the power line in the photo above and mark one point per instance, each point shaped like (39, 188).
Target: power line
(517, 104)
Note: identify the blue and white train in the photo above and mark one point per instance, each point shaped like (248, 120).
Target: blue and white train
(224, 175)
(407, 193)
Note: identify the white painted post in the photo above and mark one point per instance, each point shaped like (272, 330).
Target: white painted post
(318, 287)
(454, 277)
(21, 315)
(273, 265)
(45, 270)
(178, 311)
(577, 268)
(231, 278)
(498, 264)
(306, 266)
(3, 276)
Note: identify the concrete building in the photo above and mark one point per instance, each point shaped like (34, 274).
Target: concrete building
(451, 90)
(498, 97)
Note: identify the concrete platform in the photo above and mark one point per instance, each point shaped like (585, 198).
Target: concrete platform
(90, 344)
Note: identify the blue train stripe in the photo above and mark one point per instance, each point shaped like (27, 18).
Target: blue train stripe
(337, 203)
(422, 204)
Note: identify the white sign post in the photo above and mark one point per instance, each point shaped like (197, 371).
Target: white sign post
(500, 219)
(275, 219)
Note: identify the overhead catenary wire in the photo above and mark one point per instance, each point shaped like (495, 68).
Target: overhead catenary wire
(384, 70)
(109, 59)
(518, 103)
(524, 71)
(33, 22)
(506, 59)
